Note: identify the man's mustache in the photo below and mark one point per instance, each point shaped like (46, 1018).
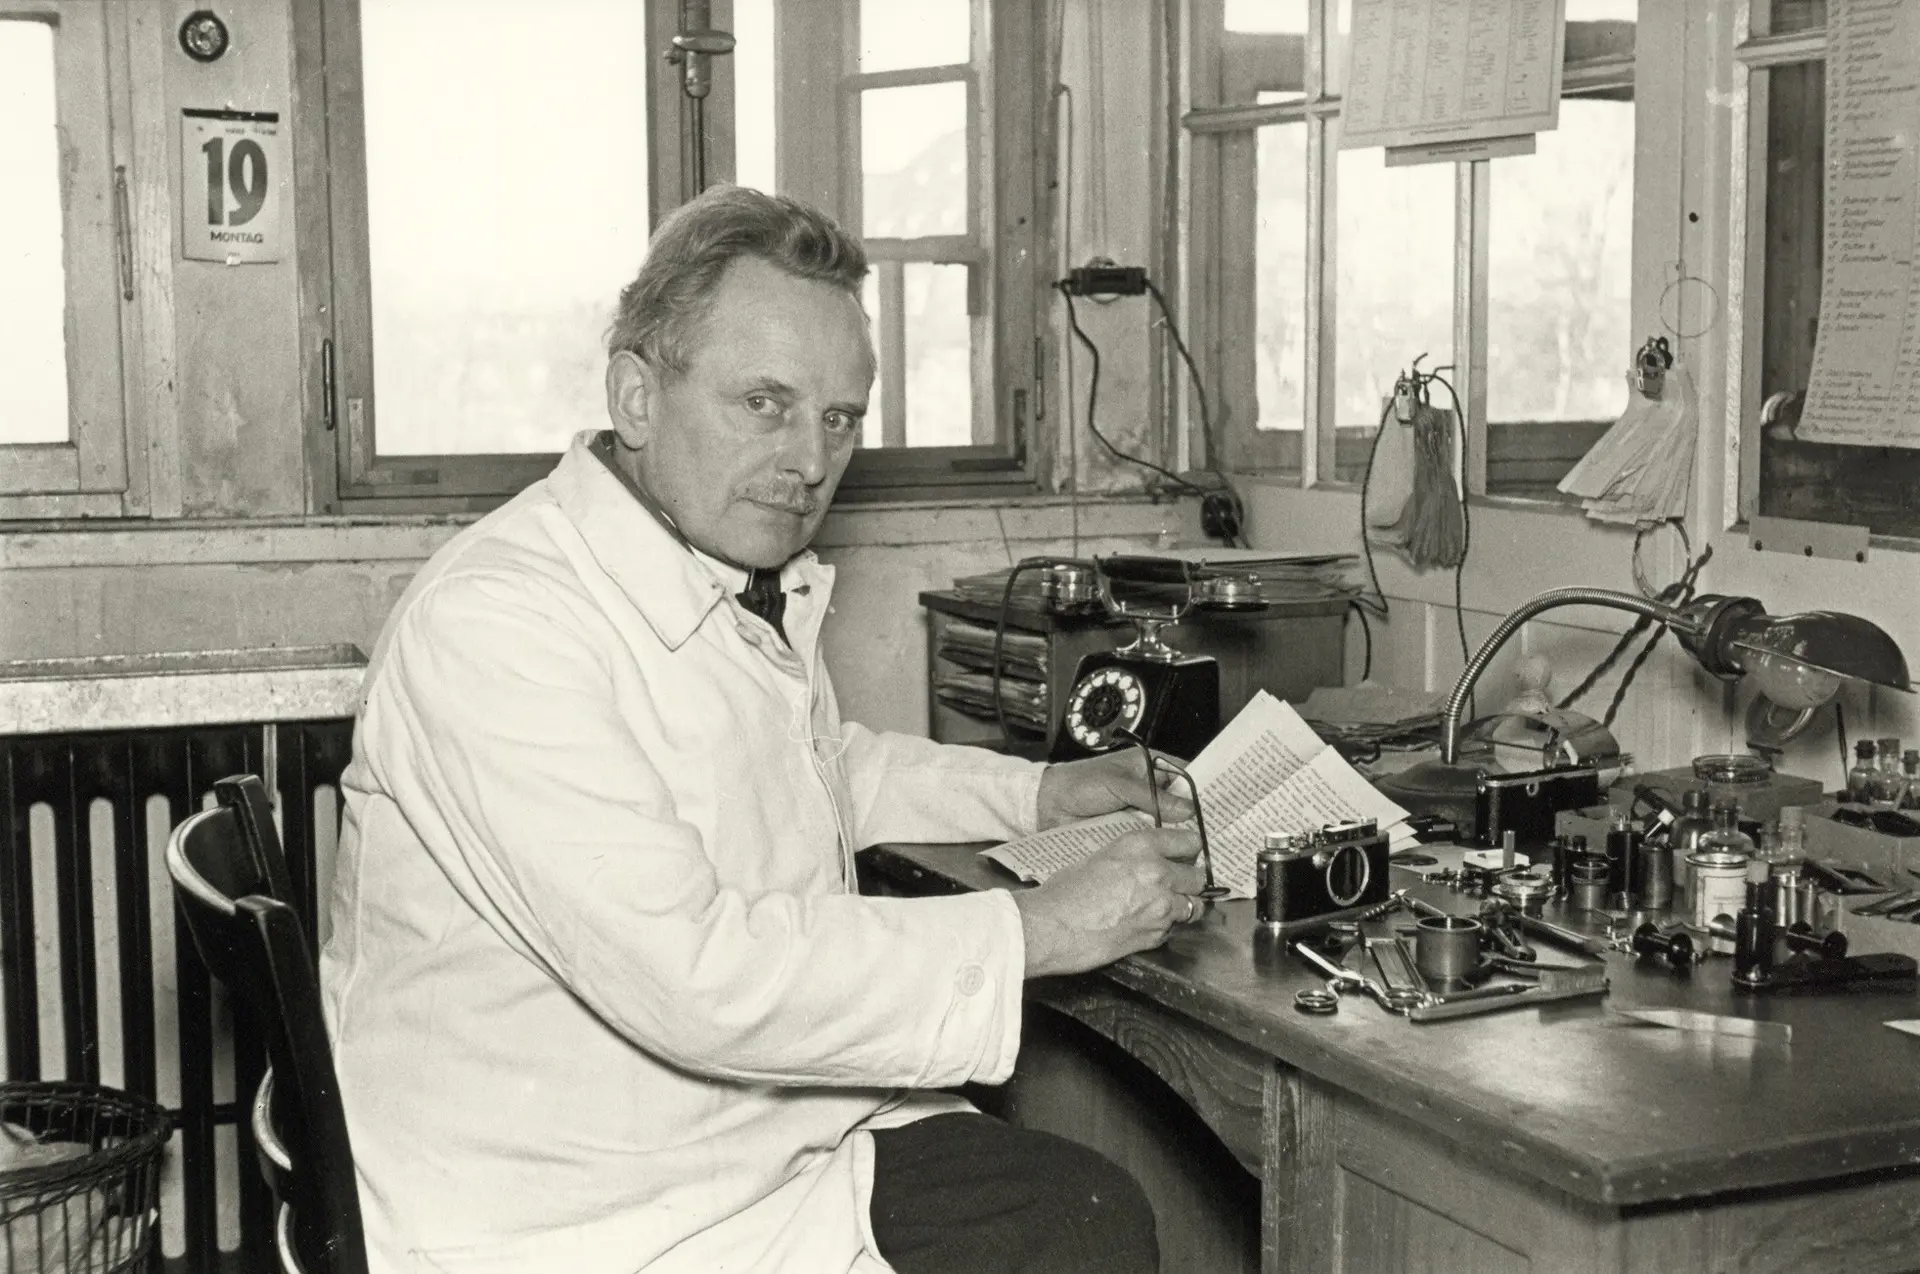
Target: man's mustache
(792, 499)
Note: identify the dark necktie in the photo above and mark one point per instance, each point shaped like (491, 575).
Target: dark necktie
(764, 598)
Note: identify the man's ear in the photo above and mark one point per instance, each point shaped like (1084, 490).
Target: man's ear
(629, 393)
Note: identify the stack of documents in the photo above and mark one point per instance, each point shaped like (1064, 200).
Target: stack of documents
(1266, 772)
(1373, 712)
(1282, 577)
(1642, 469)
(1024, 702)
(1022, 654)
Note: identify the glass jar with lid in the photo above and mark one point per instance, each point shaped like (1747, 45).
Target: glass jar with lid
(1731, 776)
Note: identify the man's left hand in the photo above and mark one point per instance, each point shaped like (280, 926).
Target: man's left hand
(1099, 785)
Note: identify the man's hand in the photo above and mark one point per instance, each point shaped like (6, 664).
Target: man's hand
(1124, 897)
(1102, 784)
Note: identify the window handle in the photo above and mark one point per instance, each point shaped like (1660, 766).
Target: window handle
(123, 230)
(326, 384)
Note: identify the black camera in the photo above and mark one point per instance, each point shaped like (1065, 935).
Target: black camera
(1302, 882)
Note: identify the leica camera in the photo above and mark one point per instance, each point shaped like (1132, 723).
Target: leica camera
(1305, 881)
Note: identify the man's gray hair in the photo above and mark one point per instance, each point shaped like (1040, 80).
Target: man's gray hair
(662, 310)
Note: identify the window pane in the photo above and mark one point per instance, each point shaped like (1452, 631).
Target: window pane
(1336, 48)
(1280, 268)
(922, 33)
(1559, 272)
(931, 341)
(1602, 10)
(1795, 15)
(939, 357)
(33, 350)
(1278, 16)
(913, 154)
(503, 216)
(753, 132)
(1394, 286)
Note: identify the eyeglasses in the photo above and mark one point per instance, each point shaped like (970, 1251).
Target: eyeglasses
(1158, 765)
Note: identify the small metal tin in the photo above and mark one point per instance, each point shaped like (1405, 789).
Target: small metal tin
(1588, 890)
(1067, 584)
(1528, 891)
(1653, 877)
(1784, 880)
(1446, 949)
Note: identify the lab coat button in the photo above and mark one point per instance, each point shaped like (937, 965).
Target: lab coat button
(972, 978)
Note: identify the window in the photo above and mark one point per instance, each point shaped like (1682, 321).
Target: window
(1361, 267)
(481, 226)
(65, 265)
(1776, 261)
(913, 124)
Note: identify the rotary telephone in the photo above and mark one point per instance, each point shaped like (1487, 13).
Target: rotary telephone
(1147, 690)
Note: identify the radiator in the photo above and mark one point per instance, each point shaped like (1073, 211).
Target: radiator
(99, 759)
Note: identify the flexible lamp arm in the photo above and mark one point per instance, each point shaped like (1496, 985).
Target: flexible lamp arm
(1686, 623)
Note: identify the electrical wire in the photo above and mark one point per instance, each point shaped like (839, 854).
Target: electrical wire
(1000, 640)
(1677, 593)
(1093, 399)
(1379, 599)
(1466, 524)
(1233, 536)
(1063, 90)
(1366, 634)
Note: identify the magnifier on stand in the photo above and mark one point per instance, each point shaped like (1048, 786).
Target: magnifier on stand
(1147, 691)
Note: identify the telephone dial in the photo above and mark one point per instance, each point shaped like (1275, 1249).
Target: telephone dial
(1146, 690)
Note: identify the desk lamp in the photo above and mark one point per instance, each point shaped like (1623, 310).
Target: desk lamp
(1796, 661)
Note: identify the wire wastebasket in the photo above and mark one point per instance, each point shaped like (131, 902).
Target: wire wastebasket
(79, 1178)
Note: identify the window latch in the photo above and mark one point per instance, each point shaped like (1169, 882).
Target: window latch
(326, 384)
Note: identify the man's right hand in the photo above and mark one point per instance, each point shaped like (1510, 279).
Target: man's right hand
(1124, 897)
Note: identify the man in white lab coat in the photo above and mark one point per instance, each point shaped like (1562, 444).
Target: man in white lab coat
(602, 993)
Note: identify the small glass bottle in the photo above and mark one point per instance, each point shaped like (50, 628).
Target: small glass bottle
(1793, 833)
(1719, 870)
(1889, 784)
(1910, 773)
(1860, 777)
(1693, 823)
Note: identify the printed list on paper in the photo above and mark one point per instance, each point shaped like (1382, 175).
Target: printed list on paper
(1865, 384)
(1267, 771)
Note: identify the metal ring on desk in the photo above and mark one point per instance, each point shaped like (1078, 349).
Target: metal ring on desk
(1317, 1001)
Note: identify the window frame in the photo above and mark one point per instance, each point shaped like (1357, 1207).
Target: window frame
(346, 473)
(100, 469)
(1224, 72)
(817, 76)
(1757, 52)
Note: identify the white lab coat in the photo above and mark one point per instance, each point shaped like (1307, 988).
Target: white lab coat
(600, 993)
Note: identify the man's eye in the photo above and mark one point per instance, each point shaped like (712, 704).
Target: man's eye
(842, 422)
(763, 404)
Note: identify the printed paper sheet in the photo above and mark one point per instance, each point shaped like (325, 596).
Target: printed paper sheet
(1267, 771)
(1865, 384)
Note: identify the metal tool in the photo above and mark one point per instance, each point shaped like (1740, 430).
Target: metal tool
(1340, 980)
(1712, 1023)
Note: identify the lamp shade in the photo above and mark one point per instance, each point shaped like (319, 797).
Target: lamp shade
(1823, 641)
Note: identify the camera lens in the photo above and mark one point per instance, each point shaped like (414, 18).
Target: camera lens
(1347, 875)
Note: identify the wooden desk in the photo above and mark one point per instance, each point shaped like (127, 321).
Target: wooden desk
(1549, 1139)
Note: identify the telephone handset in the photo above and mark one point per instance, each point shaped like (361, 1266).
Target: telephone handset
(1147, 690)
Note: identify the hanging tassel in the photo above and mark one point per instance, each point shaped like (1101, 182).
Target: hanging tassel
(1431, 530)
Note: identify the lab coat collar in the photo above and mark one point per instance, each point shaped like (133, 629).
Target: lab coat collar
(674, 586)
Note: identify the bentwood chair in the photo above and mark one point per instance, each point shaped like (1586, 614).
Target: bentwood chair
(232, 882)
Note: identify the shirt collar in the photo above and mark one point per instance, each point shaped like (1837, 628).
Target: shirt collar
(673, 584)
